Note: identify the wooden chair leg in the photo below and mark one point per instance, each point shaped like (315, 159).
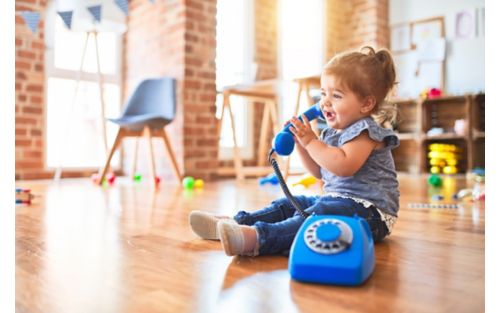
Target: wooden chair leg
(238, 163)
(147, 132)
(170, 151)
(134, 168)
(116, 144)
(266, 116)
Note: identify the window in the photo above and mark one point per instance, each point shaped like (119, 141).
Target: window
(301, 47)
(234, 66)
(74, 125)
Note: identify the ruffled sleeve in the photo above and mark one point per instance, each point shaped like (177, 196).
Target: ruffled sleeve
(325, 132)
(375, 132)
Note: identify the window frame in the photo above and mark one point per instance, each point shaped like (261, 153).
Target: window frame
(246, 148)
(288, 90)
(51, 71)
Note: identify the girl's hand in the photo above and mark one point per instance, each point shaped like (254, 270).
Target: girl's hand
(302, 131)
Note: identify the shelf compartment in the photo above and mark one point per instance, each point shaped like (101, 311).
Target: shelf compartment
(443, 112)
(478, 111)
(462, 160)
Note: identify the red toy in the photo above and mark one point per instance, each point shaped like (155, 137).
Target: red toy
(434, 93)
(111, 178)
(23, 196)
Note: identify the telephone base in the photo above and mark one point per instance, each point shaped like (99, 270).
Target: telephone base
(332, 249)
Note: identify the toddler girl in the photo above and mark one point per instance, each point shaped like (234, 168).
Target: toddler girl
(352, 156)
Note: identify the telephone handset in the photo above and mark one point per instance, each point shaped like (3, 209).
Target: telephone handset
(283, 143)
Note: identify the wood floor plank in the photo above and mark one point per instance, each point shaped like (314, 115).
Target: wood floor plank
(129, 248)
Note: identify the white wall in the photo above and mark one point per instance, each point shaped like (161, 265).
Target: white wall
(464, 57)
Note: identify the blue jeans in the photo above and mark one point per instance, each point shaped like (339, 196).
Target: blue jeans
(278, 223)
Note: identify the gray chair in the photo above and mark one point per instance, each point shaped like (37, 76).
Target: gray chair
(151, 107)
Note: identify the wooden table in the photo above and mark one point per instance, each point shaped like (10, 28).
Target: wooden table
(262, 91)
(305, 85)
(265, 91)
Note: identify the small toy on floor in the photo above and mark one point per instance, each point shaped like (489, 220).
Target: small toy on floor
(306, 181)
(269, 179)
(109, 179)
(433, 206)
(24, 196)
(137, 177)
(477, 192)
(434, 180)
(437, 197)
(190, 183)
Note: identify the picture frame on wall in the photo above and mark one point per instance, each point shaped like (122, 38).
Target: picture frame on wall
(465, 24)
(426, 29)
(400, 38)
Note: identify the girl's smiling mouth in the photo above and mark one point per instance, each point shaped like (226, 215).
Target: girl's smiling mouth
(329, 115)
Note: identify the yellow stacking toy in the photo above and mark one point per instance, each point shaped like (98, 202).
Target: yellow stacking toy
(443, 158)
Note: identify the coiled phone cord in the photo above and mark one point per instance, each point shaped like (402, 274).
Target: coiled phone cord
(284, 187)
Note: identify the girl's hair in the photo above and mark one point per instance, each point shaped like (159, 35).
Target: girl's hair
(367, 73)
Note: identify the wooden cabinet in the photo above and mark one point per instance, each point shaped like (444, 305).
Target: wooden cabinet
(426, 121)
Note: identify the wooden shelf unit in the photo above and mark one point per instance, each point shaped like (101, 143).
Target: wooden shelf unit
(418, 116)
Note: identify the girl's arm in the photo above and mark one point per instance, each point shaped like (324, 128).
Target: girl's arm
(343, 161)
(311, 166)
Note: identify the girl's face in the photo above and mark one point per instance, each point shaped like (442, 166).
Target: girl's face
(340, 106)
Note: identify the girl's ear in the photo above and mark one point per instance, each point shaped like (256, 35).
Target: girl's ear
(368, 104)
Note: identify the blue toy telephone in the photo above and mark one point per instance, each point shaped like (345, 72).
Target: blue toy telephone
(332, 249)
(328, 249)
(283, 143)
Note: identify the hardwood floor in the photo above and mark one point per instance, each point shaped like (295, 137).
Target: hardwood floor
(127, 248)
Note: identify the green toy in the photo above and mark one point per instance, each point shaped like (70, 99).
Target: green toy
(435, 180)
(188, 182)
(137, 177)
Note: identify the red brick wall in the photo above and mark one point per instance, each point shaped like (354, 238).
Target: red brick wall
(177, 38)
(353, 24)
(369, 24)
(338, 17)
(200, 124)
(30, 94)
(266, 38)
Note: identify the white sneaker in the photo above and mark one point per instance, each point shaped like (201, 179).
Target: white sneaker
(204, 224)
(233, 239)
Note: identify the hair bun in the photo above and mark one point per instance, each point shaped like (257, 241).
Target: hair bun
(382, 56)
(369, 49)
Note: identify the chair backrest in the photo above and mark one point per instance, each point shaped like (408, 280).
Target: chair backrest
(153, 96)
